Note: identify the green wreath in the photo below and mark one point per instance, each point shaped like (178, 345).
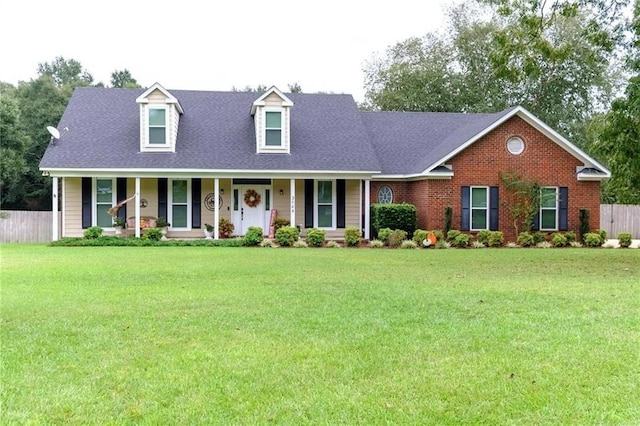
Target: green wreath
(252, 198)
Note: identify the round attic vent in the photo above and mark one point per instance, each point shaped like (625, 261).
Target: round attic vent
(515, 145)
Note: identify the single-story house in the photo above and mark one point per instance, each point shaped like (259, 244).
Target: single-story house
(194, 157)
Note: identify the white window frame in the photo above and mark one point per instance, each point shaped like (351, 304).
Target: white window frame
(471, 209)
(167, 119)
(170, 205)
(265, 128)
(94, 200)
(333, 204)
(556, 208)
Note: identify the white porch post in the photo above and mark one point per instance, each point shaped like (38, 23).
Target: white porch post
(292, 186)
(137, 193)
(54, 209)
(367, 208)
(216, 209)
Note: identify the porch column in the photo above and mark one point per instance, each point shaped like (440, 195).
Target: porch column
(137, 209)
(216, 209)
(292, 185)
(367, 208)
(54, 209)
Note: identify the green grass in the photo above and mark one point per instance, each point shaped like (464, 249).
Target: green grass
(200, 335)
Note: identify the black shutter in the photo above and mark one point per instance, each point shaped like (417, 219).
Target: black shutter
(308, 204)
(163, 186)
(494, 208)
(196, 195)
(563, 216)
(121, 195)
(535, 224)
(87, 187)
(341, 192)
(466, 208)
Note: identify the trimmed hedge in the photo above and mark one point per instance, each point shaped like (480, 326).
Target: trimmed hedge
(395, 216)
(138, 242)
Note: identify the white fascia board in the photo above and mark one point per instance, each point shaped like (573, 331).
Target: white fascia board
(209, 173)
(286, 102)
(142, 99)
(415, 176)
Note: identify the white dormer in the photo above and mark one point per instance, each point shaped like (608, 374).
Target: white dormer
(159, 117)
(272, 116)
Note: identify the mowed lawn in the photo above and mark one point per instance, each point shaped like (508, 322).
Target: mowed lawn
(201, 335)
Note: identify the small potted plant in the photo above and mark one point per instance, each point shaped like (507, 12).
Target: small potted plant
(163, 225)
(118, 224)
(208, 231)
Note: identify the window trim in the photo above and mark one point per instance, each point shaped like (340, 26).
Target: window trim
(556, 208)
(170, 205)
(334, 203)
(148, 143)
(390, 194)
(486, 208)
(94, 200)
(263, 143)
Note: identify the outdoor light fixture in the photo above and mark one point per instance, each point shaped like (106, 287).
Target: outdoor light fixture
(281, 192)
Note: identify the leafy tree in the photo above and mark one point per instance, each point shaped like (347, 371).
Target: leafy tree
(15, 143)
(619, 131)
(123, 79)
(66, 72)
(295, 88)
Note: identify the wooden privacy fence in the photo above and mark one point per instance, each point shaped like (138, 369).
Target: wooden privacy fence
(26, 226)
(615, 218)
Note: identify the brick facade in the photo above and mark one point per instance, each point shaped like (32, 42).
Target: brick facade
(481, 163)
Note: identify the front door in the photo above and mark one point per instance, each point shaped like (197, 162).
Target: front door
(250, 206)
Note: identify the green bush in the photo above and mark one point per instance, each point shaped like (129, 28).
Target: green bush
(539, 237)
(592, 239)
(315, 237)
(93, 232)
(253, 237)
(559, 240)
(483, 236)
(448, 219)
(624, 239)
(396, 238)
(452, 235)
(495, 239)
(383, 234)
(333, 244)
(287, 235)
(376, 244)
(571, 237)
(525, 239)
(153, 234)
(603, 236)
(584, 222)
(408, 244)
(139, 242)
(461, 241)
(419, 236)
(352, 236)
(395, 216)
(279, 222)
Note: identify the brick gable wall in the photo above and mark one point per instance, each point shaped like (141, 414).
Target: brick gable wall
(481, 163)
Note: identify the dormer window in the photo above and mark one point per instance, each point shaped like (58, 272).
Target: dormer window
(157, 126)
(273, 128)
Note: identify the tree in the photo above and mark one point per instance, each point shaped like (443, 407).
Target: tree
(123, 79)
(66, 72)
(15, 145)
(619, 130)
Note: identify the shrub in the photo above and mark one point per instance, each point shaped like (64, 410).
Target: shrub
(448, 219)
(287, 235)
(452, 234)
(624, 239)
(93, 233)
(603, 235)
(267, 243)
(592, 239)
(571, 236)
(576, 244)
(477, 244)
(525, 239)
(315, 237)
(352, 236)
(300, 244)
(395, 216)
(496, 239)
(225, 228)
(408, 244)
(279, 222)
(539, 237)
(559, 240)
(584, 222)
(253, 237)
(396, 238)
(442, 244)
(383, 234)
(376, 244)
(153, 234)
(461, 241)
(544, 244)
(419, 236)
(483, 236)
(511, 244)
(333, 244)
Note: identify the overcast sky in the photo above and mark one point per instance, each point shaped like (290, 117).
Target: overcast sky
(213, 45)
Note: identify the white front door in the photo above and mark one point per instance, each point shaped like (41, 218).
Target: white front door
(251, 205)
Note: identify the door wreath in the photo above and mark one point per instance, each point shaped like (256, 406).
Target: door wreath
(251, 198)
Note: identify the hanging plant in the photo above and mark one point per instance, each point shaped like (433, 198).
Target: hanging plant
(252, 198)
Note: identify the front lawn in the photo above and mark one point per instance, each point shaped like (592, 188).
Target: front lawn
(203, 335)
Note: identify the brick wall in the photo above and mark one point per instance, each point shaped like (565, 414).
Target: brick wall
(481, 163)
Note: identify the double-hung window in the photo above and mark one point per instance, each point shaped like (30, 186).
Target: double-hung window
(325, 204)
(273, 128)
(157, 126)
(549, 208)
(180, 209)
(479, 207)
(105, 198)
